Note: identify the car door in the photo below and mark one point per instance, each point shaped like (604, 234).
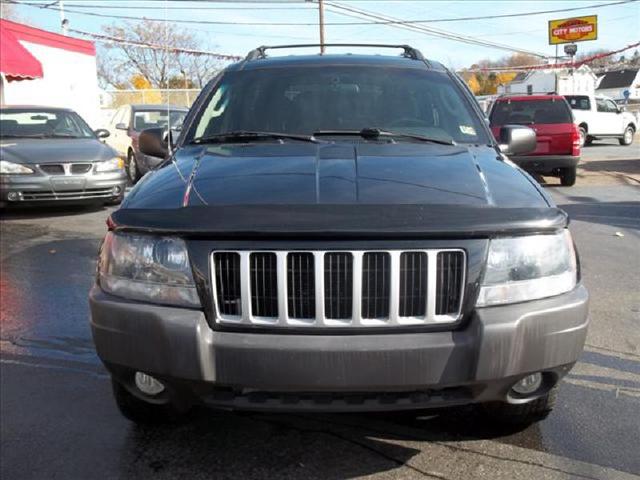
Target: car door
(617, 121)
(606, 119)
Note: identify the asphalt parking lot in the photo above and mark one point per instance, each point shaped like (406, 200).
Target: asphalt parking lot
(58, 419)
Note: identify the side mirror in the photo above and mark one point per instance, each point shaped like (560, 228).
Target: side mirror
(121, 126)
(517, 140)
(154, 142)
(102, 133)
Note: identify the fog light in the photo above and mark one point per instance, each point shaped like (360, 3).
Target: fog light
(116, 190)
(528, 384)
(13, 196)
(148, 385)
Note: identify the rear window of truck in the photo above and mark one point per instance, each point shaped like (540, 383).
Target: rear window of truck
(527, 112)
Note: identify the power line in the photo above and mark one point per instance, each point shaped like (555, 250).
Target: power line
(430, 30)
(135, 43)
(378, 22)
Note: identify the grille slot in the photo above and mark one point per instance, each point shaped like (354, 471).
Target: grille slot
(301, 297)
(52, 169)
(264, 284)
(80, 168)
(336, 289)
(228, 283)
(375, 285)
(413, 284)
(338, 285)
(449, 287)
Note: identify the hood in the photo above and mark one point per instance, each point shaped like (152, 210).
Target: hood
(54, 150)
(336, 174)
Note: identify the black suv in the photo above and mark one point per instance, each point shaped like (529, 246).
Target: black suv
(338, 233)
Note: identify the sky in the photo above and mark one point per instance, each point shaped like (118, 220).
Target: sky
(618, 25)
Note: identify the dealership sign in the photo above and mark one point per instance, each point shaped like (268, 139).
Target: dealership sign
(569, 30)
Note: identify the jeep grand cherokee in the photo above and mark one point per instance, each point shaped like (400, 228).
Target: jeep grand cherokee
(338, 233)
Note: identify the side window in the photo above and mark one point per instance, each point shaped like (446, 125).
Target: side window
(611, 106)
(601, 105)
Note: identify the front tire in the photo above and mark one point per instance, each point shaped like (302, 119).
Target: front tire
(568, 176)
(627, 138)
(524, 413)
(583, 136)
(141, 412)
(133, 170)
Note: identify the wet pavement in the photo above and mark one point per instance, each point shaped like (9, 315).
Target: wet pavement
(58, 419)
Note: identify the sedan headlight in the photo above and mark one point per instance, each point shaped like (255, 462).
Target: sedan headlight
(112, 165)
(147, 268)
(528, 268)
(10, 168)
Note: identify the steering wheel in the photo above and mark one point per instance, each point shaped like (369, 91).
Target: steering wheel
(408, 122)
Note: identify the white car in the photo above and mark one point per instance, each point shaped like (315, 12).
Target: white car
(600, 117)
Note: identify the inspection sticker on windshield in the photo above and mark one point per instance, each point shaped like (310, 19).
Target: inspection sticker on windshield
(467, 130)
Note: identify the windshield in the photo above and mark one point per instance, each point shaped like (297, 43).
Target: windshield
(143, 119)
(528, 112)
(306, 100)
(43, 124)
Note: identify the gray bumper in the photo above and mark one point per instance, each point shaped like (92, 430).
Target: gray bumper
(497, 346)
(45, 188)
(545, 163)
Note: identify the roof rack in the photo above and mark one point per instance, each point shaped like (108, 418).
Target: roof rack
(409, 51)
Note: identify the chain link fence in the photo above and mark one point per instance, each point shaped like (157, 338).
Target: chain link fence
(112, 99)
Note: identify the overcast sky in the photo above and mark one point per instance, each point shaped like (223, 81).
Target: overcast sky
(619, 25)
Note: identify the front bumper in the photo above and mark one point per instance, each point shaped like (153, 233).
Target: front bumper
(544, 163)
(22, 189)
(387, 371)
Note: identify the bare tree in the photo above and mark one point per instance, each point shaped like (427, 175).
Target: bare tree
(121, 61)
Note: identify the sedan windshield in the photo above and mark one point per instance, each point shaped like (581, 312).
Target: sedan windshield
(28, 123)
(306, 100)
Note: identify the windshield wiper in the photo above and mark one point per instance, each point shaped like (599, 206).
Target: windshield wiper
(377, 133)
(241, 135)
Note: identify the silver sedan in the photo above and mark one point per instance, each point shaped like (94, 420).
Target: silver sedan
(50, 155)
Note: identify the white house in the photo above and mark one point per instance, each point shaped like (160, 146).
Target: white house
(581, 81)
(68, 75)
(613, 84)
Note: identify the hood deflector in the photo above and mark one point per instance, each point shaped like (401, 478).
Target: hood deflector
(340, 221)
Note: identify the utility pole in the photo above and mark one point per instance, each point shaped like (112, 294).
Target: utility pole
(64, 23)
(321, 22)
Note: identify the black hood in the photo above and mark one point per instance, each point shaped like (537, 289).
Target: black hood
(54, 150)
(365, 173)
(359, 189)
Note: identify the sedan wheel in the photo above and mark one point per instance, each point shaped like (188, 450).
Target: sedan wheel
(132, 168)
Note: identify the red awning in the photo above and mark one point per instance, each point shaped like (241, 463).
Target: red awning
(16, 63)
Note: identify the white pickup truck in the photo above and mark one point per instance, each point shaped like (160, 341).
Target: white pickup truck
(600, 117)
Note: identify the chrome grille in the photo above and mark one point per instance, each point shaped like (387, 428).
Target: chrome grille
(450, 266)
(413, 294)
(338, 279)
(375, 285)
(264, 285)
(301, 296)
(228, 282)
(338, 288)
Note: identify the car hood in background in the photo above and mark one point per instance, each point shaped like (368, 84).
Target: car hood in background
(54, 150)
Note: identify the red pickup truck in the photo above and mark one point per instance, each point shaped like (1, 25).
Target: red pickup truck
(558, 138)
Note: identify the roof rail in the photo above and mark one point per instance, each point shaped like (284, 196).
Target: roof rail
(409, 51)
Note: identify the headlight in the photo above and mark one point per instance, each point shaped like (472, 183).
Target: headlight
(110, 165)
(10, 168)
(527, 268)
(148, 268)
